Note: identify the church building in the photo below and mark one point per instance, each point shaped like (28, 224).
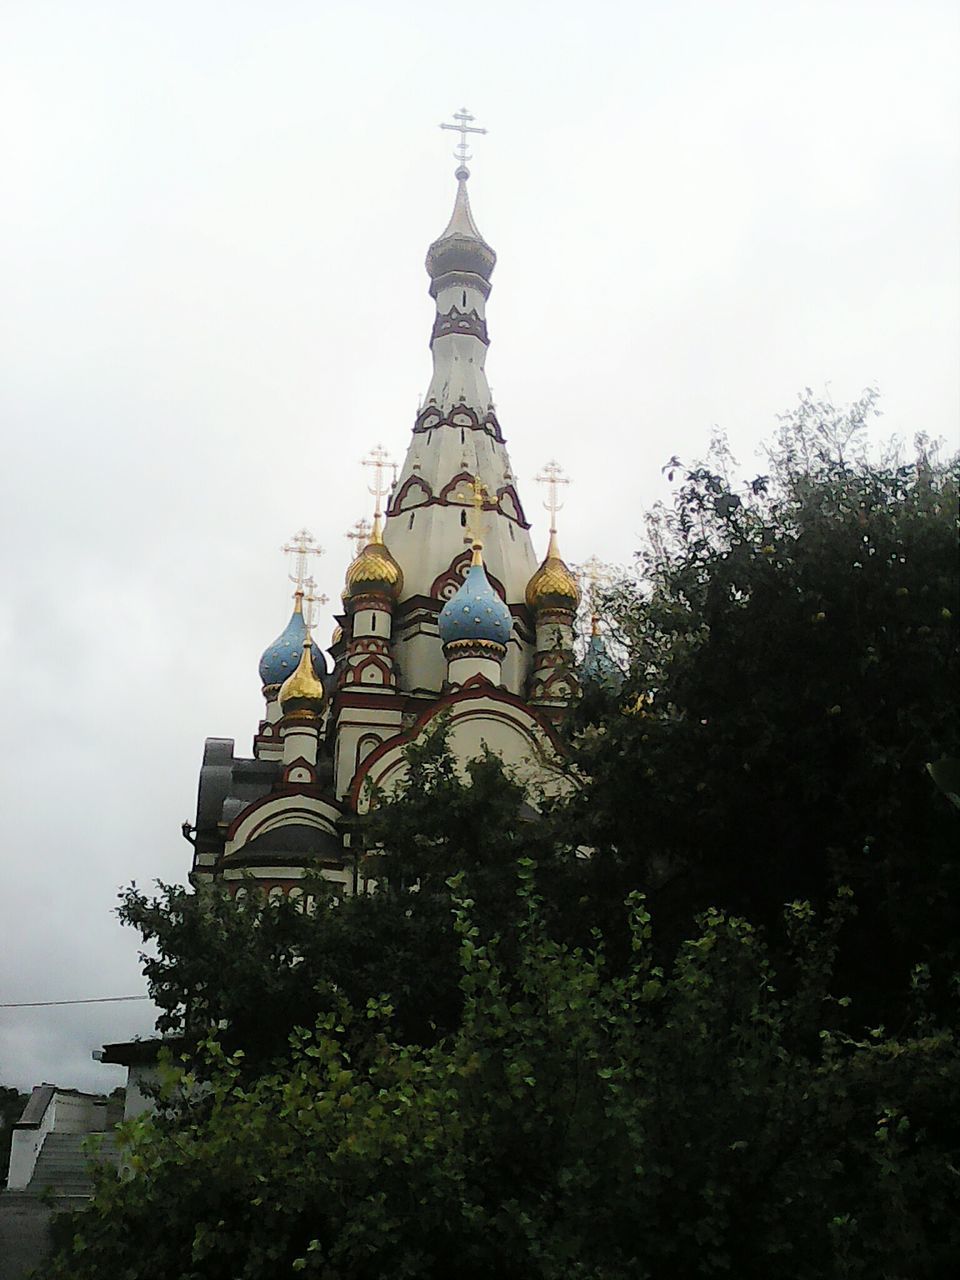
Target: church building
(447, 609)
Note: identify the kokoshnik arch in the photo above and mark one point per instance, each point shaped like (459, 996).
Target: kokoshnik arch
(446, 610)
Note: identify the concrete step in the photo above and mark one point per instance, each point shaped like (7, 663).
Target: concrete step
(63, 1166)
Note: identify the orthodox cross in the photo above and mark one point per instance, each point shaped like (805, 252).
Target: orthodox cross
(379, 459)
(360, 534)
(311, 599)
(480, 495)
(552, 477)
(463, 127)
(301, 546)
(596, 574)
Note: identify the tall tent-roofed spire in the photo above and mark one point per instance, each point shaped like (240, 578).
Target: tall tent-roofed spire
(461, 247)
(457, 437)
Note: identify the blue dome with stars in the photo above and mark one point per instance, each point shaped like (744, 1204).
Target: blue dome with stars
(280, 659)
(476, 612)
(598, 668)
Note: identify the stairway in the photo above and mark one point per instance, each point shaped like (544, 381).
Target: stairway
(64, 1168)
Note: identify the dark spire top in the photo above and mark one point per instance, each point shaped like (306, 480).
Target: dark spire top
(461, 247)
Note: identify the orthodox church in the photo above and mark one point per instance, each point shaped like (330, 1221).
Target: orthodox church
(447, 610)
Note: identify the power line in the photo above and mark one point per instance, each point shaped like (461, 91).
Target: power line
(46, 1004)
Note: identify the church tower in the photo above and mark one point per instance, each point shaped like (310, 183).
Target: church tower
(445, 611)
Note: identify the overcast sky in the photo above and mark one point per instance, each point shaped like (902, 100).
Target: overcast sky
(212, 228)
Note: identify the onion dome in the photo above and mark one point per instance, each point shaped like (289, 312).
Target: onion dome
(598, 668)
(280, 658)
(476, 614)
(303, 690)
(461, 247)
(374, 570)
(553, 586)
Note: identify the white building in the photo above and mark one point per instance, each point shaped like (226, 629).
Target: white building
(445, 609)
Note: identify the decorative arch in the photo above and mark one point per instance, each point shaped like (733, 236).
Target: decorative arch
(448, 494)
(370, 663)
(463, 416)
(366, 744)
(446, 586)
(508, 500)
(414, 492)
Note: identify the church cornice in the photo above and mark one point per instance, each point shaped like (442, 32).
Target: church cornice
(462, 323)
(463, 417)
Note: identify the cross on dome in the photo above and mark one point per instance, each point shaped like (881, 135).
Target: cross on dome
(380, 460)
(360, 534)
(463, 127)
(552, 477)
(301, 547)
(311, 599)
(597, 575)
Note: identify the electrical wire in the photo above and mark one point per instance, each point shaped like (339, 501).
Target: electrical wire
(46, 1004)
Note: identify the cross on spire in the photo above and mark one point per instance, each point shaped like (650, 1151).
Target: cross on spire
(301, 547)
(380, 460)
(552, 477)
(463, 127)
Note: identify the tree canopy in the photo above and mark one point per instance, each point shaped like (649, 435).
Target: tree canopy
(791, 662)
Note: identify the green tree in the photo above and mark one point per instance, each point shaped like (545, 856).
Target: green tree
(578, 1123)
(791, 656)
(214, 962)
(535, 1084)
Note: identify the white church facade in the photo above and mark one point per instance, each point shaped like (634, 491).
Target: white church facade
(447, 609)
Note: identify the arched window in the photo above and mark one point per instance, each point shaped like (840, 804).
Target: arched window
(369, 742)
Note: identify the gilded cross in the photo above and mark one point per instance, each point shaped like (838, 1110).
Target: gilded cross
(480, 495)
(301, 547)
(311, 599)
(379, 460)
(552, 477)
(463, 127)
(360, 534)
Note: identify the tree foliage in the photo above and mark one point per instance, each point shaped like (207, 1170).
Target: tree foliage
(214, 962)
(791, 661)
(490, 1067)
(578, 1123)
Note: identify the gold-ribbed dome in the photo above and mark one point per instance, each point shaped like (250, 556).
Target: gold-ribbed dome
(374, 570)
(553, 586)
(302, 690)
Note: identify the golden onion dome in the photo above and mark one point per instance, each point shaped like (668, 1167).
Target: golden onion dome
(553, 586)
(374, 570)
(303, 690)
